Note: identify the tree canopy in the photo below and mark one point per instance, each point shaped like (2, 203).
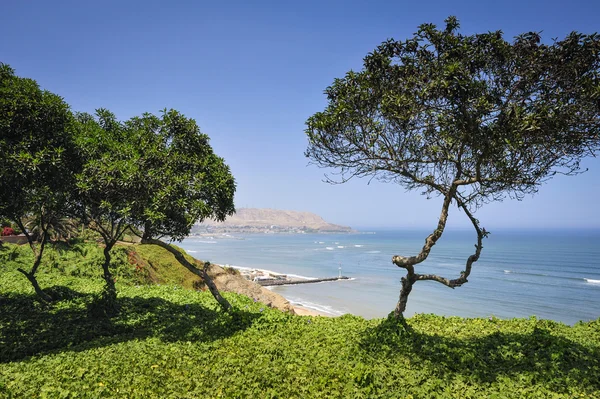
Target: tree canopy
(187, 181)
(471, 118)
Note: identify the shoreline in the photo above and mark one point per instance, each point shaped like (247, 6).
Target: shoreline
(299, 309)
(375, 291)
(304, 311)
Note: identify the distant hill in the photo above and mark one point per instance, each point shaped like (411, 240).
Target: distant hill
(274, 220)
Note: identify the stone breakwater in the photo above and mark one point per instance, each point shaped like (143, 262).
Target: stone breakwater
(271, 282)
(267, 278)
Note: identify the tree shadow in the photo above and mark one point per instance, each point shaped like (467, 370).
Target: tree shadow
(28, 327)
(540, 355)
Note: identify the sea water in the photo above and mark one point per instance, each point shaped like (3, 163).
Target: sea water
(550, 274)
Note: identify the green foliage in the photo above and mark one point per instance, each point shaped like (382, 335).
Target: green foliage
(131, 264)
(89, 235)
(161, 267)
(111, 175)
(75, 259)
(36, 148)
(185, 181)
(157, 175)
(171, 342)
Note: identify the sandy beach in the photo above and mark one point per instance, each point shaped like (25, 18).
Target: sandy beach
(302, 311)
(253, 274)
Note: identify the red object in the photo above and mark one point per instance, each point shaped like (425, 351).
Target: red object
(8, 231)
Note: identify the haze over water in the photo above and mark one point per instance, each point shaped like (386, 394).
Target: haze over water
(550, 274)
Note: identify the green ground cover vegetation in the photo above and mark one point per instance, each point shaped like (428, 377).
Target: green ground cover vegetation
(169, 341)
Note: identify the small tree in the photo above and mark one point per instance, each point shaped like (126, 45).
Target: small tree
(186, 182)
(472, 119)
(154, 175)
(108, 183)
(39, 160)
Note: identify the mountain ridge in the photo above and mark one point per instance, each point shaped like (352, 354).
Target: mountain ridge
(275, 220)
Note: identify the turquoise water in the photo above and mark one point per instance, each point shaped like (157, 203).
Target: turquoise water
(549, 274)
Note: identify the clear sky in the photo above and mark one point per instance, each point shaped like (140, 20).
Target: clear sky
(252, 72)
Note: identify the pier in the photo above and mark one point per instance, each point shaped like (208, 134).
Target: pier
(271, 282)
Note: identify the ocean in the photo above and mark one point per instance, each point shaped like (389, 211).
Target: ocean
(548, 274)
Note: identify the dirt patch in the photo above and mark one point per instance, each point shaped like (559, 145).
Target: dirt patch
(235, 283)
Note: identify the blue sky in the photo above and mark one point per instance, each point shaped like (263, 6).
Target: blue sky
(251, 73)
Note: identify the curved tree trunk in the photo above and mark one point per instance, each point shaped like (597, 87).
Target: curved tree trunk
(110, 234)
(407, 284)
(38, 253)
(38, 290)
(203, 274)
(408, 263)
(214, 290)
(110, 292)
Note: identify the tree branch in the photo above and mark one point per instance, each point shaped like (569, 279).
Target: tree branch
(462, 279)
(430, 241)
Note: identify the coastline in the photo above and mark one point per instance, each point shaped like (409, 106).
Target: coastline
(535, 284)
(304, 311)
(299, 309)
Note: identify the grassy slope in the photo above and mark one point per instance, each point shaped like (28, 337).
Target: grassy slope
(173, 342)
(161, 266)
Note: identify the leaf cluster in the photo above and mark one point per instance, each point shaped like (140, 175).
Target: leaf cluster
(36, 146)
(188, 182)
(158, 174)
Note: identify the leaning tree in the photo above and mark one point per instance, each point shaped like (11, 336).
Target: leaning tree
(470, 118)
(185, 182)
(39, 160)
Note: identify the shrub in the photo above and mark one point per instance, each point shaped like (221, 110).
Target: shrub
(231, 270)
(8, 231)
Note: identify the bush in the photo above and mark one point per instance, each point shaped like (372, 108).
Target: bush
(8, 231)
(231, 270)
